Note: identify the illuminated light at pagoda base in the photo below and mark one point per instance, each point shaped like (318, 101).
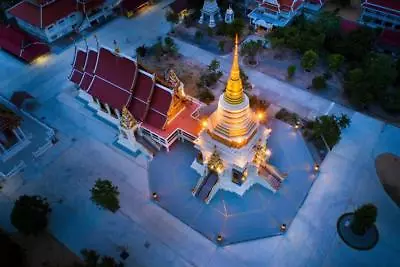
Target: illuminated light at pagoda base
(283, 228)
(204, 123)
(316, 167)
(42, 60)
(155, 196)
(219, 238)
(260, 115)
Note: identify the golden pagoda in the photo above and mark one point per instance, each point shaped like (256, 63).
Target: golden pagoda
(233, 123)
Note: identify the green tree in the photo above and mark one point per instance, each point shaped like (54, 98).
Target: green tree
(251, 49)
(170, 46)
(291, 70)
(198, 36)
(277, 42)
(158, 49)
(221, 45)
(214, 65)
(380, 72)
(335, 61)
(30, 214)
(364, 218)
(309, 60)
(92, 259)
(172, 18)
(105, 194)
(141, 51)
(319, 82)
(206, 96)
(354, 87)
(329, 127)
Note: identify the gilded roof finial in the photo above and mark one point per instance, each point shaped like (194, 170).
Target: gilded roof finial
(234, 88)
(127, 120)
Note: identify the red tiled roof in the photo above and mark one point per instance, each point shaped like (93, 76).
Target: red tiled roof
(348, 26)
(270, 7)
(183, 121)
(143, 87)
(161, 100)
(76, 76)
(79, 61)
(21, 44)
(390, 38)
(155, 119)
(43, 15)
(90, 63)
(89, 5)
(108, 93)
(132, 5)
(138, 109)
(297, 4)
(85, 81)
(385, 4)
(115, 69)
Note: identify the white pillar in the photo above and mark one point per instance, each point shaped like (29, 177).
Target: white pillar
(201, 18)
(212, 21)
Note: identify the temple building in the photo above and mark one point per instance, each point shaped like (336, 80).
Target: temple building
(52, 19)
(209, 13)
(232, 146)
(23, 138)
(150, 112)
(279, 13)
(381, 14)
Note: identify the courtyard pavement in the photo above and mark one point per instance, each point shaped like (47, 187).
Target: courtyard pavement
(153, 236)
(258, 213)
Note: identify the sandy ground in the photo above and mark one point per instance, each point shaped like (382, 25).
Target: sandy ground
(185, 69)
(388, 169)
(45, 249)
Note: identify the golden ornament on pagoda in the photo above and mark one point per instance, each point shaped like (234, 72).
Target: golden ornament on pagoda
(127, 119)
(234, 88)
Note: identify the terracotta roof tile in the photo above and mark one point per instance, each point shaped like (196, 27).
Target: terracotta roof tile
(108, 93)
(143, 87)
(115, 69)
(161, 100)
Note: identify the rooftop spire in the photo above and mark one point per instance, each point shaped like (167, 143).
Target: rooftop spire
(234, 89)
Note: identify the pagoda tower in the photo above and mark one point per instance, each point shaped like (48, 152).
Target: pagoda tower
(232, 146)
(210, 9)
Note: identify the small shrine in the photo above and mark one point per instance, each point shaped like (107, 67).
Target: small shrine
(229, 15)
(211, 11)
(233, 151)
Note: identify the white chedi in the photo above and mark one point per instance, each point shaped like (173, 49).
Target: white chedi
(229, 15)
(211, 10)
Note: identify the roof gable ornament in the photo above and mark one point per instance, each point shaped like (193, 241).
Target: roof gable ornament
(117, 50)
(175, 82)
(127, 119)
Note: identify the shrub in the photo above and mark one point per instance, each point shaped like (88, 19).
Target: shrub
(291, 70)
(258, 104)
(364, 218)
(106, 195)
(198, 36)
(206, 96)
(141, 51)
(309, 60)
(319, 82)
(335, 61)
(30, 214)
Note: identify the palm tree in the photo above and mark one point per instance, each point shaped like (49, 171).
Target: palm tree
(364, 218)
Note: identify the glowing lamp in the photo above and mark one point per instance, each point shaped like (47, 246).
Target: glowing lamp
(219, 238)
(260, 115)
(283, 228)
(204, 123)
(316, 167)
(155, 196)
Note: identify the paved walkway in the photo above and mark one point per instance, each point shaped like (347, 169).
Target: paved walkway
(154, 237)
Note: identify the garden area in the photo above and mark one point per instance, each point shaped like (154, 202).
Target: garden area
(343, 66)
(218, 40)
(321, 135)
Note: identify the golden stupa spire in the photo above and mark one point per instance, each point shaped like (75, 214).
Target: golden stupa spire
(234, 89)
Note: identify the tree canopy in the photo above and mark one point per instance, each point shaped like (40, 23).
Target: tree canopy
(329, 127)
(309, 60)
(11, 254)
(364, 218)
(251, 49)
(105, 195)
(30, 214)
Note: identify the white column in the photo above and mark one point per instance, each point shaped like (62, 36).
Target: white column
(212, 21)
(201, 18)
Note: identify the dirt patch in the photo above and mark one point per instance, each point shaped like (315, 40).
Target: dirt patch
(388, 169)
(45, 249)
(187, 71)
